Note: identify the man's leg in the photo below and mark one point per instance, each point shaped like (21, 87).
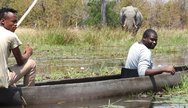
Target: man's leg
(28, 70)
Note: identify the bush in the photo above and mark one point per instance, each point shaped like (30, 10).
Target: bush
(59, 38)
(94, 18)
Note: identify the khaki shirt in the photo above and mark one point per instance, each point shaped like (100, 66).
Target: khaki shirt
(8, 41)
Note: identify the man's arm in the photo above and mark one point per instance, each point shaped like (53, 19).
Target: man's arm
(167, 69)
(22, 58)
(145, 63)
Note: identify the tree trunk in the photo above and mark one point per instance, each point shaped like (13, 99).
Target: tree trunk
(183, 5)
(103, 12)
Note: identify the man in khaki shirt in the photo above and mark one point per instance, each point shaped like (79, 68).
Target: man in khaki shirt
(9, 42)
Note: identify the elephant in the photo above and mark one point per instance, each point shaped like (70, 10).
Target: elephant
(131, 19)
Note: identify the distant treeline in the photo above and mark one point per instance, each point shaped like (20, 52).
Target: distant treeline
(72, 13)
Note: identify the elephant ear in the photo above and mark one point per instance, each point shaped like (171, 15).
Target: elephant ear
(138, 18)
(122, 16)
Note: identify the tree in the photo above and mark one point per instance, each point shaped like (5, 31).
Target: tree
(103, 12)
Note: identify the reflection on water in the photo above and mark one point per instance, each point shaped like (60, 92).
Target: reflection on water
(100, 103)
(170, 106)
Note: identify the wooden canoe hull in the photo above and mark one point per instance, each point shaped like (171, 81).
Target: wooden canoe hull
(81, 89)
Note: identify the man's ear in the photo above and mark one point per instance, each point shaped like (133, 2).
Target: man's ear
(2, 21)
(144, 39)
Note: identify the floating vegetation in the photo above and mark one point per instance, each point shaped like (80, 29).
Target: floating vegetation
(111, 105)
(170, 99)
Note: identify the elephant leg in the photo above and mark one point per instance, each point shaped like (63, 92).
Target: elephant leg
(126, 29)
(122, 27)
(135, 31)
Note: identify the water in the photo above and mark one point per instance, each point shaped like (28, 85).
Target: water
(170, 105)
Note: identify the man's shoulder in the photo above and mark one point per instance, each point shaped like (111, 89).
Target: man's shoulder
(139, 47)
(137, 44)
(6, 32)
(2, 29)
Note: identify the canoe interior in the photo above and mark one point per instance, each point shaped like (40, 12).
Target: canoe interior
(79, 80)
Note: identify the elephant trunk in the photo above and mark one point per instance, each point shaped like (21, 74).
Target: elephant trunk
(130, 24)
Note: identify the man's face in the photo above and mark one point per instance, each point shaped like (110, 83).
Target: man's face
(10, 21)
(151, 41)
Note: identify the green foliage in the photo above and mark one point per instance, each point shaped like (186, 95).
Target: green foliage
(5, 3)
(112, 16)
(46, 13)
(54, 37)
(16, 5)
(94, 18)
(65, 13)
(93, 38)
(72, 12)
(94, 11)
(58, 38)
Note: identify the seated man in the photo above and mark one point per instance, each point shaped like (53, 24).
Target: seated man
(139, 60)
(9, 42)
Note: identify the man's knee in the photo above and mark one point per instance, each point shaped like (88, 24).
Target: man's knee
(31, 67)
(32, 63)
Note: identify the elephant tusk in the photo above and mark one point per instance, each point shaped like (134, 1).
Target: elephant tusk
(135, 26)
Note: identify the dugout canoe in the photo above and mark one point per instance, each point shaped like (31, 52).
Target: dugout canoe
(85, 88)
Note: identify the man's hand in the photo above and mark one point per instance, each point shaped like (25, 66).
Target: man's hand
(28, 50)
(169, 69)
